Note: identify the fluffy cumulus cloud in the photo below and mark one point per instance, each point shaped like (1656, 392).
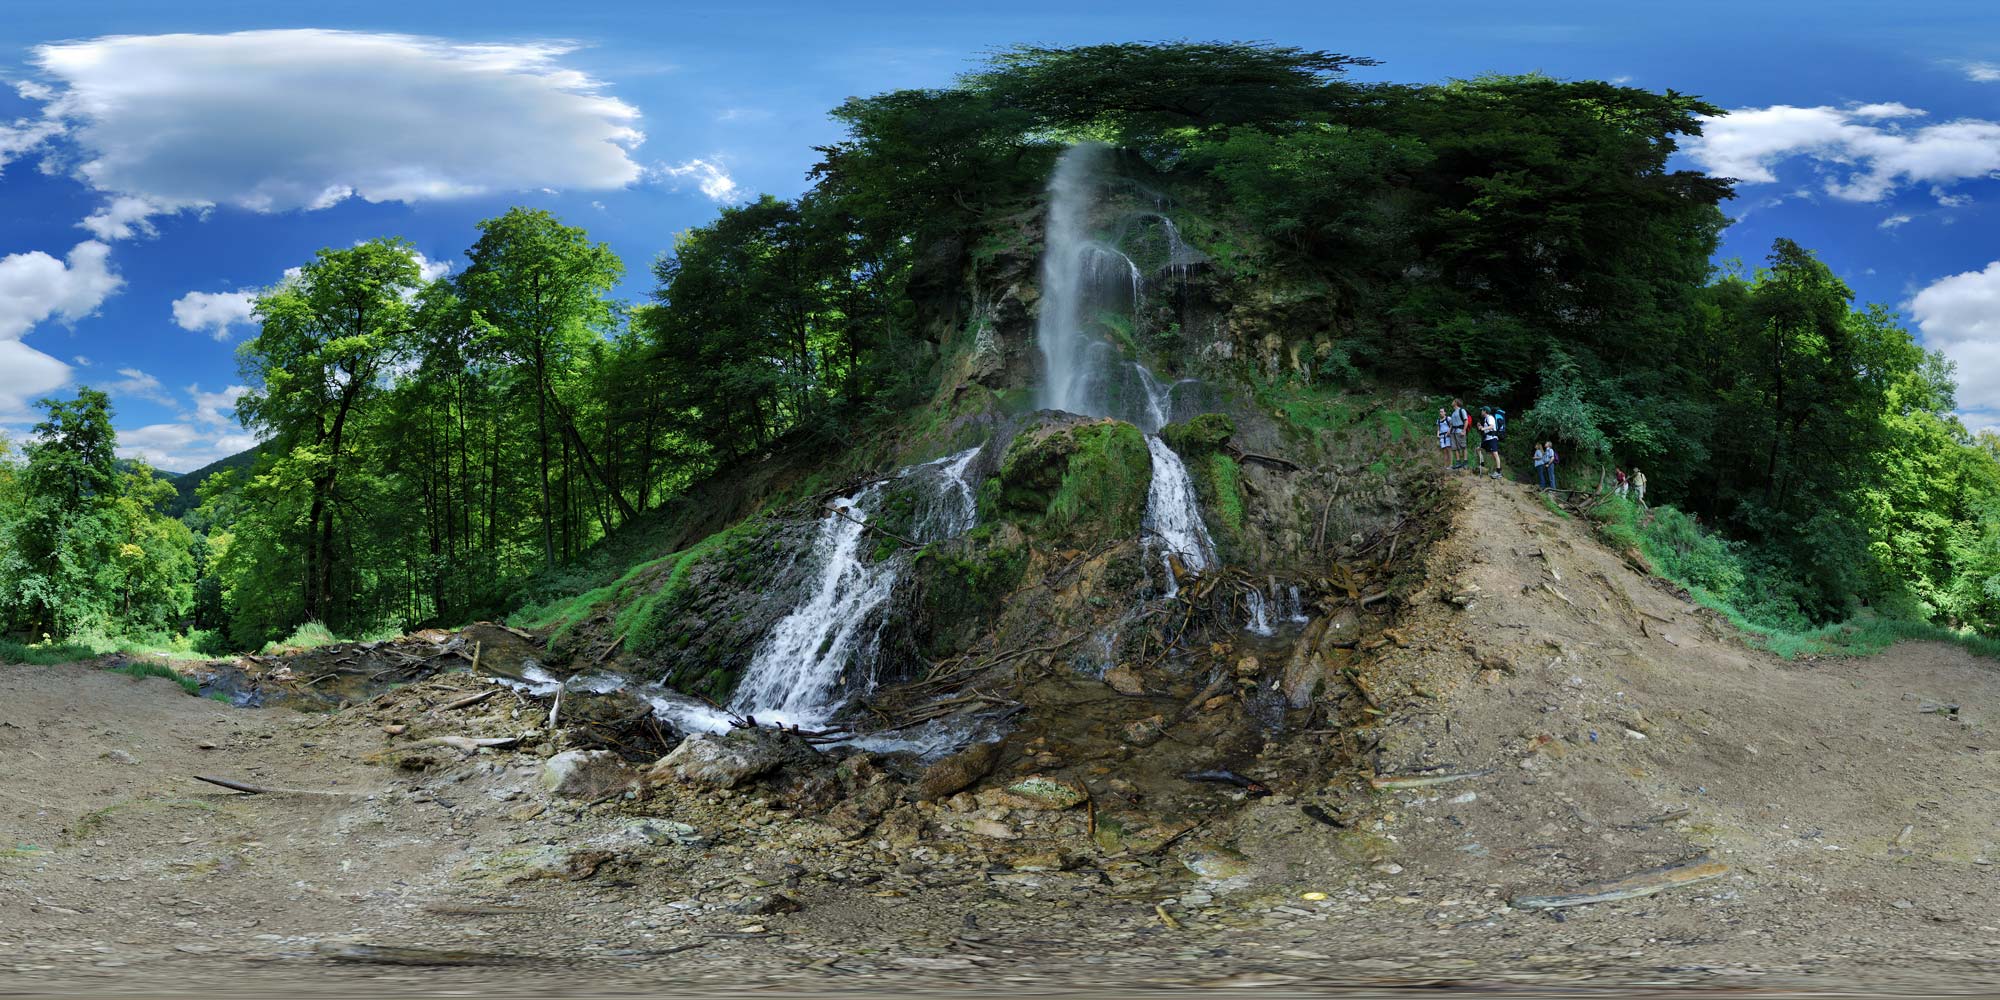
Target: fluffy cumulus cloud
(1960, 315)
(206, 431)
(214, 313)
(709, 177)
(304, 119)
(1865, 152)
(35, 287)
(25, 376)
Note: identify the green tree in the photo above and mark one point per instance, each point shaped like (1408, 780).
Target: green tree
(541, 287)
(314, 369)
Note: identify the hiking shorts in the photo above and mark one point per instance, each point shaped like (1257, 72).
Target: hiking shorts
(1458, 437)
(1491, 444)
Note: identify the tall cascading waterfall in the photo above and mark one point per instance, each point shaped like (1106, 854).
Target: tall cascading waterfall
(1086, 373)
(802, 673)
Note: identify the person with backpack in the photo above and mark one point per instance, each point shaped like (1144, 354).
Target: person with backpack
(1550, 447)
(1444, 439)
(1623, 483)
(1639, 485)
(1541, 459)
(1489, 440)
(1458, 422)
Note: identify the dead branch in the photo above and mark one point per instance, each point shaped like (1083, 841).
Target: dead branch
(886, 533)
(249, 789)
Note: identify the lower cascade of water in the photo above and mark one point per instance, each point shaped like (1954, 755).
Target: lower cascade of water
(1259, 613)
(801, 673)
(1173, 518)
(1264, 610)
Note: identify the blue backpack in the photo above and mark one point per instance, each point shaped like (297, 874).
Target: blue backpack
(1500, 423)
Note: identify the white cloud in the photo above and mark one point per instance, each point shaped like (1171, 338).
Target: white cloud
(209, 406)
(429, 270)
(1983, 72)
(214, 313)
(1887, 109)
(1949, 200)
(1960, 315)
(710, 178)
(303, 119)
(122, 218)
(25, 376)
(81, 361)
(1893, 221)
(35, 286)
(203, 434)
(1864, 151)
(180, 447)
(139, 385)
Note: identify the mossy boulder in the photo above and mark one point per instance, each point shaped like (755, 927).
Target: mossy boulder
(1199, 436)
(1076, 483)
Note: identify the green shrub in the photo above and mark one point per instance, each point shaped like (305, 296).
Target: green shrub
(307, 636)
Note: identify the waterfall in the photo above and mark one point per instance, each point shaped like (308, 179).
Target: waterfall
(1069, 264)
(1260, 615)
(1172, 515)
(799, 675)
(951, 506)
(1085, 373)
(796, 674)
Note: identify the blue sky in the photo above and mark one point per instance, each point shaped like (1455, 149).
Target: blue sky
(156, 167)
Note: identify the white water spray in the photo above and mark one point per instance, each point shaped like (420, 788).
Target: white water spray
(801, 674)
(1172, 515)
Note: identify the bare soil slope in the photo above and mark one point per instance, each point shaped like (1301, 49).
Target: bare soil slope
(1620, 729)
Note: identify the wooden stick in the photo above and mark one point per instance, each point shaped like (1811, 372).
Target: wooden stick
(469, 700)
(869, 527)
(249, 789)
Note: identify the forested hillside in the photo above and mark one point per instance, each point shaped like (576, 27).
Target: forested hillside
(438, 452)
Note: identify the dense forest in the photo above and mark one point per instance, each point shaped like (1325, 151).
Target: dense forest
(433, 448)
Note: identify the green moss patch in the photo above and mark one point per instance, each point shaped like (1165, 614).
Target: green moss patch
(1077, 484)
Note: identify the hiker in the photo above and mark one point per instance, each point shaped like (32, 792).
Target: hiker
(1639, 485)
(1541, 464)
(1489, 440)
(1623, 483)
(1549, 460)
(1458, 421)
(1444, 439)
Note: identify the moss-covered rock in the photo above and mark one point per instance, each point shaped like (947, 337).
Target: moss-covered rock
(1199, 436)
(965, 582)
(1076, 483)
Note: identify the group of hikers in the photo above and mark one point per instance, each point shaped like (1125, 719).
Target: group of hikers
(1456, 430)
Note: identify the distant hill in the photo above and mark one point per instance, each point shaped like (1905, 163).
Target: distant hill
(186, 485)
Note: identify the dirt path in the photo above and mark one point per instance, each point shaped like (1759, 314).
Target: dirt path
(124, 875)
